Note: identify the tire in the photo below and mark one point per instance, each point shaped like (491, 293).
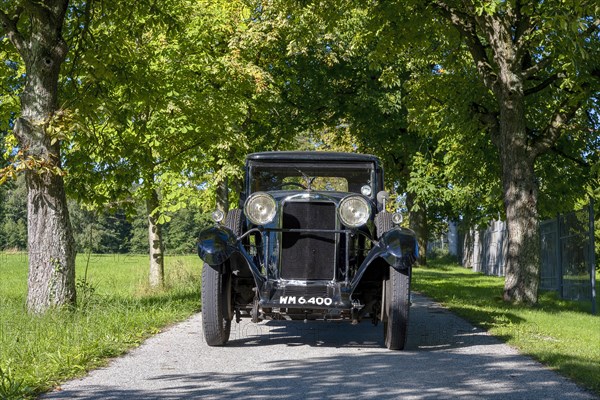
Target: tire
(397, 307)
(217, 296)
(383, 223)
(216, 306)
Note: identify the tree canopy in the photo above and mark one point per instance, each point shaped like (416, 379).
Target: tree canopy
(479, 108)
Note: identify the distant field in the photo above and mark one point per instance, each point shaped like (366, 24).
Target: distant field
(116, 311)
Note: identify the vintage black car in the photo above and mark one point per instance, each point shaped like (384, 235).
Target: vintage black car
(311, 239)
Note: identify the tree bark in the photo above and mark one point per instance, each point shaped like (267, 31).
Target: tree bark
(155, 239)
(51, 279)
(520, 194)
(418, 223)
(222, 193)
(517, 160)
(51, 245)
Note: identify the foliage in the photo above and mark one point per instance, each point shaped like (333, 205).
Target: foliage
(107, 232)
(38, 352)
(182, 231)
(150, 100)
(113, 232)
(101, 232)
(446, 98)
(13, 225)
(335, 89)
(559, 333)
(172, 100)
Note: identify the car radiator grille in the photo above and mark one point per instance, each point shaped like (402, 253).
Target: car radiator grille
(307, 256)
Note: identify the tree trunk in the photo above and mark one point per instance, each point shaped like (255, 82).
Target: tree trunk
(520, 202)
(518, 153)
(50, 239)
(155, 239)
(223, 196)
(51, 245)
(418, 223)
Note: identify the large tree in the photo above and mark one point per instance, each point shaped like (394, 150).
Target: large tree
(521, 71)
(523, 50)
(34, 28)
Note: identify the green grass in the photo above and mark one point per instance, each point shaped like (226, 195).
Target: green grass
(561, 334)
(116, 311)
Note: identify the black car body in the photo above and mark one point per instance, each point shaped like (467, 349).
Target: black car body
(310, 240)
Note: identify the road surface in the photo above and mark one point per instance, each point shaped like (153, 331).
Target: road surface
(445, 358)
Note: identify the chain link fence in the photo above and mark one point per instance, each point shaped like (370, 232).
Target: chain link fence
(567, 253)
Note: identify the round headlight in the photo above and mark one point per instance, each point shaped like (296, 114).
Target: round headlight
(354, 211)
(260, 208)
(217, 216)
(366, 190)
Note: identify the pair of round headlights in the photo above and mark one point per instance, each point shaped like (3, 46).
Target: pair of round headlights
(354, 211)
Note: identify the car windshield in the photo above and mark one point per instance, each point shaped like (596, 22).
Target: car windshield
(340, 177)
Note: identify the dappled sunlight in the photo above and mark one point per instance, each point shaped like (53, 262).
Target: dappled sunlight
(563, 334)
(445, 358)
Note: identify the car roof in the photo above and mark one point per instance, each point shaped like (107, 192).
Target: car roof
(308, 156)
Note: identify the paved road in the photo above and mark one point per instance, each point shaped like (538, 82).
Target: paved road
(446, 358)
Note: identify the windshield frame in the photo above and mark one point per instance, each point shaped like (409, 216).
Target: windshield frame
(313, 169)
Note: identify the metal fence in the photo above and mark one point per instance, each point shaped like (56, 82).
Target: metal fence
(484, 250)
(567, 253)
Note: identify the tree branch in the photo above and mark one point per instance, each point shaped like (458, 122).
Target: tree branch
(547, 82)
(179, 152)
(488, 119)
(9, 26)
(529, 72)
(523, 22)
(551, 133)
(554, 148)
(564, 155)
(81, 41)
(467, 27)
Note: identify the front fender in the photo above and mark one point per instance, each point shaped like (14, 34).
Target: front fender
(216, 244)
(398, 247)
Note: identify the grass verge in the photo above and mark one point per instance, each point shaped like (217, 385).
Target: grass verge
(560, 334)
(116, 311)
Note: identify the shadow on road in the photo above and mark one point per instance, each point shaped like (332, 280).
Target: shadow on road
(445, 358)
(431, 326)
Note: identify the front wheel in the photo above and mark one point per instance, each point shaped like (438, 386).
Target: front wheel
(216, 306)
(397, 306)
